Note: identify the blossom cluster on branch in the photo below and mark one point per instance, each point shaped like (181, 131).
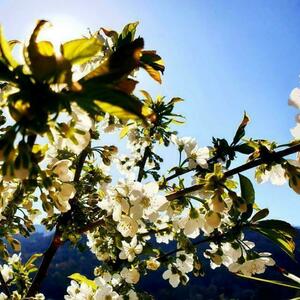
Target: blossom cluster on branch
(56, 109)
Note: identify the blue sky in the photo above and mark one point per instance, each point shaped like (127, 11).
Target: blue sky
(222, 57)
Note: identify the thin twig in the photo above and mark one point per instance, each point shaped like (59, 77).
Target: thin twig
(249, 165)
(143, 163)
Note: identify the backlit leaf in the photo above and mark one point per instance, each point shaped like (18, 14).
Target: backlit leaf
(153, 64)
(81, 51)
(280, 232)
(5, 51)
(241, 129)
(96, 98)
(83, 279)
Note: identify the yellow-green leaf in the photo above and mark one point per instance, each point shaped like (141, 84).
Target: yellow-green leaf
(153, 73)
(33, 258)
(5, 51)
(96, 98)
(45, 48)
(81, 51)
(41, 57)
(279, 232)
(82, 279)
(124, 131)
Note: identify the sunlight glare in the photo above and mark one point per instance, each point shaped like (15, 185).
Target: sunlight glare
(62, 28)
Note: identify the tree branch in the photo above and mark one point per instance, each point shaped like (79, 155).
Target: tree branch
(249, 165)
(212, 238)
(43, 268)
(56, 240)
(143, 163)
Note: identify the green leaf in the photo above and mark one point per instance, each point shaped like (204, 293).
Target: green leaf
(244, 148)
(261, 214)
(124, 131)
(247, 190)
(43, 63)
(111, 34)
(241, 129)
(96, 98)
(127, 57)
(175, 100)
(148, 98)
(81, 51)
(82, 279)
(13, 43)
(5, 51)
(41, 57)
(276, 282)
(153, 64)
(280, 232)
(33, 258)
(127, 34)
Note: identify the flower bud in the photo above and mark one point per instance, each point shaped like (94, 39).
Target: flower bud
(213, 219)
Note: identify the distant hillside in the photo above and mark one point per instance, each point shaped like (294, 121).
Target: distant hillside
(216, 284)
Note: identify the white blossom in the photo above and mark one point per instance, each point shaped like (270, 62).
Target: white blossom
(76, 134)
(79, 291)
(198, 156)
(185, 262)
(104, 291)
(127, 226)
(3, 296)
(130, 250)
(254, 266)
(61, 169)
(7, 272)
(294, 98)
(172, 275)
(131, 275)
(276, 175)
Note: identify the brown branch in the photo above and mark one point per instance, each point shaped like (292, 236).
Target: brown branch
(185, 171)
(212, 238)
(43, 268)
(57, 240)
(81, 159)
(91, 226)
(165, 255)
(249, 165)
(143, 163)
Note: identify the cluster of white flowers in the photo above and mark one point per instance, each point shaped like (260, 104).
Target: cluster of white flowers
(79, 291)
(73, 135)
(7, 190)
(103, 287)
(101, 245)
(129, 202)
(234, 257)
(176, 272)
(253, 266)
(196, 155)
(278, 174)
(7, 272)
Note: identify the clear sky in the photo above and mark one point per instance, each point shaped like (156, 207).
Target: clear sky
(222, 57)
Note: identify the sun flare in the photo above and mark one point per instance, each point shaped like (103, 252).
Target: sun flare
(61, 29)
